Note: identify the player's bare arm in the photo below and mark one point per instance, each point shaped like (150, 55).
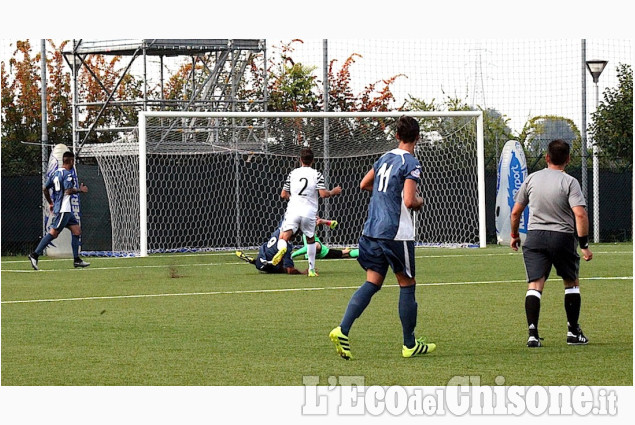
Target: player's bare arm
(47, 196)
(324, 193)
(582, 227)
(293, 270)
(73, 190)
(367, 181)
(410, 198)
(284, 194)
(517, 211)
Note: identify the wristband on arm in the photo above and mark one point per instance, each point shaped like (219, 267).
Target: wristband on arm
(515, 235)
(584, 241)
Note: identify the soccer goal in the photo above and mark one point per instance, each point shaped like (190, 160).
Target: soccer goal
(212, 181)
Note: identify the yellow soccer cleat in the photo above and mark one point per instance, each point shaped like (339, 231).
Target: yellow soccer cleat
(244, 257)
(420, 348)
(312, 273)
(341, 342)
(278, 257)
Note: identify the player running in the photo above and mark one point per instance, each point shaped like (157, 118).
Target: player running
(302, 188)
(64, 185)
(388, 239)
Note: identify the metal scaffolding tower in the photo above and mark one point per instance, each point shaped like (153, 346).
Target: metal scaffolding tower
(217, 71)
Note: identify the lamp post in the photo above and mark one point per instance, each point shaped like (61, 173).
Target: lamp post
(75, 63)
(596, 67)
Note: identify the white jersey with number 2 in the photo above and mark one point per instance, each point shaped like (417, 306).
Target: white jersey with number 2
(303, 185)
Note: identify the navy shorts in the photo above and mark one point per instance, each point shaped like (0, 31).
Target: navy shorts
(543, 249)
(378, 254)
(62, 220)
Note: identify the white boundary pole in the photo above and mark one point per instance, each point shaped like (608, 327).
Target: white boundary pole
(143, 211)
(480, 165)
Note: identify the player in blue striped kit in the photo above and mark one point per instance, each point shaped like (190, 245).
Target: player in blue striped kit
(64, 186)
(388, 239)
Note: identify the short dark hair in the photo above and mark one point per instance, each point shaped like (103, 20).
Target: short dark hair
(407, 129)
(306, 156)
(68, 155)
(558, 151)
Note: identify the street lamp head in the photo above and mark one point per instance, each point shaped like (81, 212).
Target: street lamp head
(595, 68)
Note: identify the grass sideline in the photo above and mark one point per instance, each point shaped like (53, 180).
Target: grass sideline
(212, 320)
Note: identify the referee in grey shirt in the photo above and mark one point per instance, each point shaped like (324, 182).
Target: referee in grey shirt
(557, 215)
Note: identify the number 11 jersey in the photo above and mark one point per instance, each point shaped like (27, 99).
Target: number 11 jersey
(388, 217)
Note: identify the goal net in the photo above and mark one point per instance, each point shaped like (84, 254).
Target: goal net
(212, 181)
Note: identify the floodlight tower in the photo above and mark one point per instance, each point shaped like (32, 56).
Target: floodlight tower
(596, 67)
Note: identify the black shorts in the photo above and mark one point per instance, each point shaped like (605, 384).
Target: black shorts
(379, 254)
(333, 253)
(543, 249)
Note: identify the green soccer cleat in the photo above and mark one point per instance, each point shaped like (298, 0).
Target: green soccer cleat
(421, 347)
(341, 342)
(312, 273)
(244, 257)
(278, 257)
(333, 224)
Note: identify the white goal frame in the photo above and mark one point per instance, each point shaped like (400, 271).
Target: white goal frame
(144, 115)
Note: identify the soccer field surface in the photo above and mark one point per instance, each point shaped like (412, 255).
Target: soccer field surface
(210, 319)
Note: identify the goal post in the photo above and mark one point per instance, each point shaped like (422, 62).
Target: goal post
(211, 180)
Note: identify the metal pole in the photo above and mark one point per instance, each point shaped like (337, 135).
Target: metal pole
(75, 100)
(145, 77)
(325, 75)
(583, 147)
(480, 164)
(45, 137)
(143, 188)
(596, 180)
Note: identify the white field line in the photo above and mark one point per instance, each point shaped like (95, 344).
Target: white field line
(138, 266)
(264, 291)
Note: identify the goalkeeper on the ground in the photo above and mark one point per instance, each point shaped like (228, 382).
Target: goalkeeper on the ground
(323, 251)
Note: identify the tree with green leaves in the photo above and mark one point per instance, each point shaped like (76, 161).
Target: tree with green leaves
(495, 125)
(612, 126)
(539, 131)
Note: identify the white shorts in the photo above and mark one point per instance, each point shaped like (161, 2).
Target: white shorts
(305, 224)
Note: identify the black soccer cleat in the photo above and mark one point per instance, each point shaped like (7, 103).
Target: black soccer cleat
(534, 341)
(33, 257)
(576, 337)
(80, 263)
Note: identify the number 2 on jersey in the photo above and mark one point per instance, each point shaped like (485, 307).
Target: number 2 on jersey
(306, 183)
(383, 175)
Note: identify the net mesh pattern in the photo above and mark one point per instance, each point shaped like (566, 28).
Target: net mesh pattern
(215, 183)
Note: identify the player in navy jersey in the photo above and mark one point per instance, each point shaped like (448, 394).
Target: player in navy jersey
(64, 185)
(267, 251)
(388, 239)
